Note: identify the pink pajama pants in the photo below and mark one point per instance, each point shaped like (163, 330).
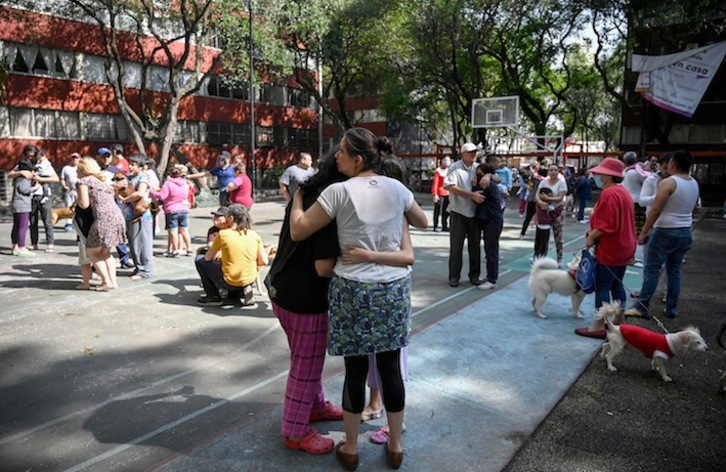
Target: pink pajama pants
(307, 336)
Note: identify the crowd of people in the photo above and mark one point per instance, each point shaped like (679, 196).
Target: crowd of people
(103, 190)
(340, 280)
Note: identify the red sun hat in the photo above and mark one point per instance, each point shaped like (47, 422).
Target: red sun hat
(609, 166)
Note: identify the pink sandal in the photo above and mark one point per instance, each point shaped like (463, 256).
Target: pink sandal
(383, 435)
(329, 413)
(313, 443)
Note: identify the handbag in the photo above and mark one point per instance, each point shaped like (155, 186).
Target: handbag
(585, 277)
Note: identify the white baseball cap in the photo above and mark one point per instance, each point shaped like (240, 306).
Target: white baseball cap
(468, 147)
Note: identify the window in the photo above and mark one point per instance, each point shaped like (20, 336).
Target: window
(279, 137)
(100, 127)
(272, 94)
(213, 134)
(158, 79)
(106, 127)
(21, 122)
(187, 132)
(299, 98)
(48, 124)
(40, 61)
(93, 69)
(264, 136)
(240, 134)
(222, 133)
(241, 93)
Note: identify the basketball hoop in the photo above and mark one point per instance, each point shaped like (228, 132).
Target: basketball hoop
(503, 112)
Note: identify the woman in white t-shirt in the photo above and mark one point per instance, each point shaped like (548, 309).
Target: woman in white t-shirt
(557, 184)
(370, 302)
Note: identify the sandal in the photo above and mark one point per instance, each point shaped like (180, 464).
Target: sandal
(313, 443)
(371, 415)
(329, 413)
(383, 435)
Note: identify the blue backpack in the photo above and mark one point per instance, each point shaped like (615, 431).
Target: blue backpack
(585, 276)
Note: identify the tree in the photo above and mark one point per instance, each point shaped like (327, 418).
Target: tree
(347, 39)
(165, 39)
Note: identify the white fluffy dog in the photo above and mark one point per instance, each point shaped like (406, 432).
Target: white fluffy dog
(659, 347)
(545, 279)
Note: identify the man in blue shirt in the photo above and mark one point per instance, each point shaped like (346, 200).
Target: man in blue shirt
(224, 172)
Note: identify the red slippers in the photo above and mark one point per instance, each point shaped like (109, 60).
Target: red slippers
(329, 413)
(597, 334)
(313, 443)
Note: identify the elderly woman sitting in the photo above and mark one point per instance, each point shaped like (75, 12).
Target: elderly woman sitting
(241, 252)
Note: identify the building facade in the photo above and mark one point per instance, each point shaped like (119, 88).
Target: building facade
(57, 97)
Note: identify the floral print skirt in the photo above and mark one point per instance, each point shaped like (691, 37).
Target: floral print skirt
(368, 317)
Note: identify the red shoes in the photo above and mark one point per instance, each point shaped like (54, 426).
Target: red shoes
(597, 334)
(329, 413)
(313, 442)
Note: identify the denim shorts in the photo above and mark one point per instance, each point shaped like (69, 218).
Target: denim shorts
(179, 219)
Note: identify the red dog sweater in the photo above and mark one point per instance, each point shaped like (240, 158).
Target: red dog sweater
(649, 343)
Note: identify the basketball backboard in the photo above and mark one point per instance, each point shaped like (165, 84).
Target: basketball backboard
(495, 112)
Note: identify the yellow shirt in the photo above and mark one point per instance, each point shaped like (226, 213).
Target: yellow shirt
(239, 250)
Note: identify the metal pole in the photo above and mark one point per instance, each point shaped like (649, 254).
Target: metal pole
(252, 102)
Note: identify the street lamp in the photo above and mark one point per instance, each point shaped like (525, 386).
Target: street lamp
(252, 100)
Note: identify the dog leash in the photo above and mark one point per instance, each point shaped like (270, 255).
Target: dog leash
(632, 295)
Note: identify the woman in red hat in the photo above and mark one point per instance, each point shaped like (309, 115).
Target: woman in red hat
(613, 236)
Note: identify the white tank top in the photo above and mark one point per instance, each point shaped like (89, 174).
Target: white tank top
(678, 210)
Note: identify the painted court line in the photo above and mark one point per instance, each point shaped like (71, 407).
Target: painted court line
(174, 424)
(133, 393)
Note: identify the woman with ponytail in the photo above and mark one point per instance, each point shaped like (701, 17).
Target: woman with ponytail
(370, 302)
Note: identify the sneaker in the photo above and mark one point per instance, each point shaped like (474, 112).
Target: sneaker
(127, 265)
(638, 264)
(437, 230)
(635, 313)
(209, 301)
(68, 227)
(487, 286)
(583, 222)
(521, 236)
(249, 296)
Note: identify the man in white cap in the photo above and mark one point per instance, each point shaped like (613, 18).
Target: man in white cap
(462, 223)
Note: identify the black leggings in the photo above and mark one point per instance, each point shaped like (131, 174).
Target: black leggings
(392, 388)
(531, 210)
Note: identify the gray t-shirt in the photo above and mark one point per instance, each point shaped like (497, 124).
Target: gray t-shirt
(369, 213)
(460, 176)
(294, 176)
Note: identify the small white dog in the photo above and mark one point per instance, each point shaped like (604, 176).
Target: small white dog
(656, 346)
(543, 280)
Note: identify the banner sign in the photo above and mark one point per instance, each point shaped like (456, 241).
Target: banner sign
(677, 82)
